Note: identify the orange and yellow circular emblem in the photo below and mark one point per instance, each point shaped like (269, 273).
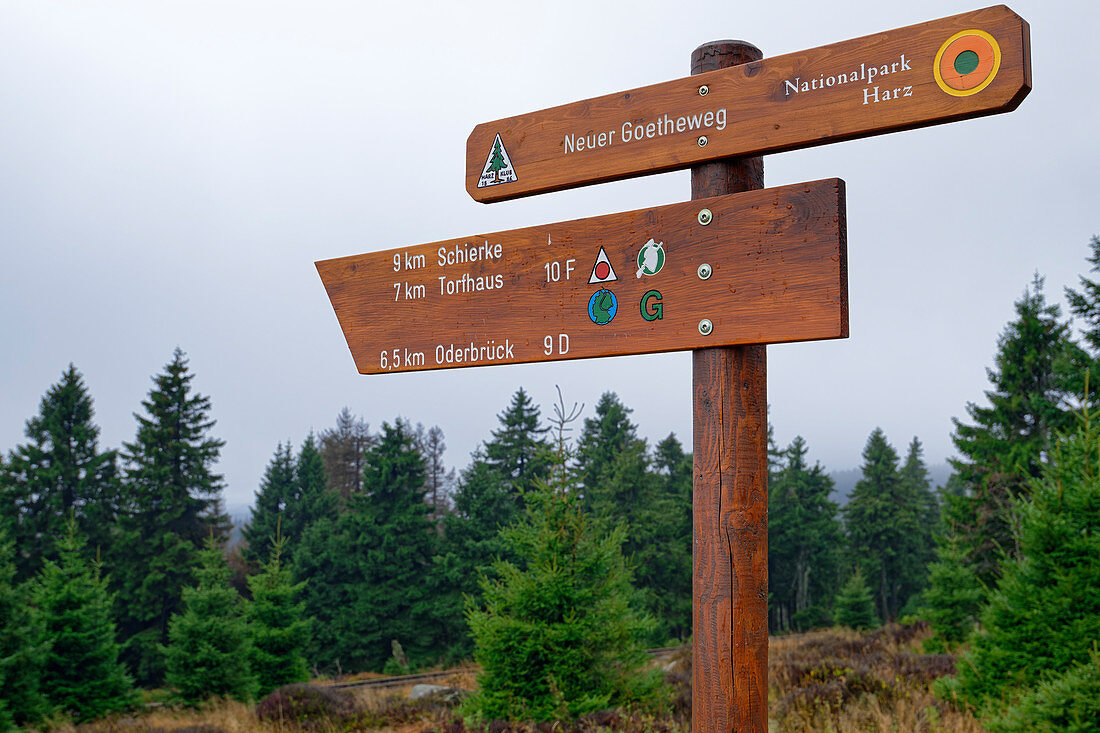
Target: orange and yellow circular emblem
(967, 63)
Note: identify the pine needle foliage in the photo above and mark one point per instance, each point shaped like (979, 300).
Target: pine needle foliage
(855, 608)
(558, 636)
(280, 630)
(1067, 703)
(82, 675)
(209, 642)
(23, 648)
(1044, 616)
(172, 503)
(954, 597)
(58, 473)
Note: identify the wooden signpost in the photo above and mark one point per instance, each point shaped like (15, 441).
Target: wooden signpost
(725, 274)
(945, 70)
(662, 279)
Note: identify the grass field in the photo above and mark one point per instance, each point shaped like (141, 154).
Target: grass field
(834, 681)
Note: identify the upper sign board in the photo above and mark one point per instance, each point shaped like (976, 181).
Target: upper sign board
(750, 268)
(968, 65)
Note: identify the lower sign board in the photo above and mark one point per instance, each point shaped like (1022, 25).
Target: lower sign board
(968, 65)
(758, 267)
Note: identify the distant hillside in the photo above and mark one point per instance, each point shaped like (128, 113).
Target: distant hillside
(846, 480)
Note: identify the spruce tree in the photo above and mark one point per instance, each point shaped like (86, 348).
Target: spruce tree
(917, 492)
(277, 486)
(954, 596)
(310, 500)
(855, 607)
(209, 643)
(1035, 378)
(559, 636)
(804, 543)
(293, 495)
(489, 496)
(518, 450)
(370, 569)
(483, 505)
(667, 558)
(1066, 702)
(613, 465)
(23, 647)
(1044, 616)
(882, 521)
(342, 451)
(82, 675)
(280, 629)
(611, 458)
(1085, 303)
(173, 505)
(59, 472)
(438, 480)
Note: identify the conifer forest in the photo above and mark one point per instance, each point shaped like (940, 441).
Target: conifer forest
(556, 557)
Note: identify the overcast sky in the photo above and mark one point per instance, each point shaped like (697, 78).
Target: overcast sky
(169, 172)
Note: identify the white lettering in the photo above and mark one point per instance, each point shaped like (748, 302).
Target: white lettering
(460, 254)
(489, 351)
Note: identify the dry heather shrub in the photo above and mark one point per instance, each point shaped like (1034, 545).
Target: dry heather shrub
(923, 668)
(596, 722)
(397, 710)
(215, 716)
(840, 680)
(308, 706)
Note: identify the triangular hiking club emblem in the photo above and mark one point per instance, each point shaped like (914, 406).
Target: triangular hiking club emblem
(498, 166)
(602, 271)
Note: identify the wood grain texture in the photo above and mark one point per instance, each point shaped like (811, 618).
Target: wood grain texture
(730, 491)
(779, 274)
(762, 114)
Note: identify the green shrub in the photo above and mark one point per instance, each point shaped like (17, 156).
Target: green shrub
(209, 643)
(1044, 615)
(954, 596)
(280, 632)
(82, 675)
(855, 607)
(559, 637)
(1069, 703)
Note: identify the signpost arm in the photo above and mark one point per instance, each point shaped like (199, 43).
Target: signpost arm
(730, 489)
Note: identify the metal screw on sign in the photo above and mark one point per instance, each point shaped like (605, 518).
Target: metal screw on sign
(702, 141)
(705, 326)
(705, 217)
(704, 271)
(704, 90)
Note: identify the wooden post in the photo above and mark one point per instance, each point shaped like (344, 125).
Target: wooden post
(730, 489)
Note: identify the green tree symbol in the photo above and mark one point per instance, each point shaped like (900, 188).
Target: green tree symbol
(602, 307)
(497, 162)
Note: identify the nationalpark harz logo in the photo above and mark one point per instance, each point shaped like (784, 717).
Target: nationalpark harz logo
(967, 63)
